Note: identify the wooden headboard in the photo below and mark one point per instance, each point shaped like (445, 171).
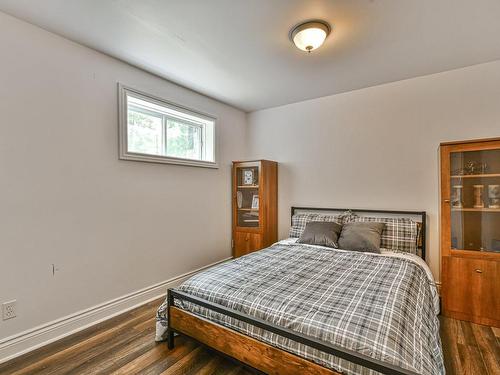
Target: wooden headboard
(420, 217)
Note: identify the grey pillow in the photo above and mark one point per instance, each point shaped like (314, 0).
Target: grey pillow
(361, 236)
(322, 233)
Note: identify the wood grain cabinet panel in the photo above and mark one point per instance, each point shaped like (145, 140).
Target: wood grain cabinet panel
(245, 243)
(490, 292)
(464, 278)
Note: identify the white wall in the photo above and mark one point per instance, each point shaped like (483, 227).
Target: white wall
(110, 226)
(376, 147)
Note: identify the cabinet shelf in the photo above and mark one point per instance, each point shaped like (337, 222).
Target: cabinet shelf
(476, 175)
(248, 209)
(477, 209)
(248, 186)
(476, 251)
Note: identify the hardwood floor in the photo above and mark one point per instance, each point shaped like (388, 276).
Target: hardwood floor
(125, 345)
(470, 349)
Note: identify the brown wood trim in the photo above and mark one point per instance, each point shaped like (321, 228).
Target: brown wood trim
(470, 141)
(445, 201)
(248, 229)
(250, 351)
(248, 163)
(475, 254)
(251, 161)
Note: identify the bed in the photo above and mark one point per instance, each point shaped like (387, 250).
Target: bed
(305, 309)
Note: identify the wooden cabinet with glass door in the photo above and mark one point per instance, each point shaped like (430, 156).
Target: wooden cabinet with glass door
(470, 230)
(255, 203)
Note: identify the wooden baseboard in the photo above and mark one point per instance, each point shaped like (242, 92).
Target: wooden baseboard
(250, 351)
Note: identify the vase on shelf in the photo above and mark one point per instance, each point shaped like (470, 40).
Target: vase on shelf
(456, 200)
(478, 196)
(239, 199)
(494, 196)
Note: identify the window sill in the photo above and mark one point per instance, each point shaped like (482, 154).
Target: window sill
(168, 160)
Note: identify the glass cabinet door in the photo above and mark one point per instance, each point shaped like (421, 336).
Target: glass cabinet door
(247, 196)
(475, 200)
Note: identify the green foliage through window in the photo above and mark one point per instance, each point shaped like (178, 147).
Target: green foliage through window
(147, 135)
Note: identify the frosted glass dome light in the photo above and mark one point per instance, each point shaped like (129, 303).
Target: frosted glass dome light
(310, 35)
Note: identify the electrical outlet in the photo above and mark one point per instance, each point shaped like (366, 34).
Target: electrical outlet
(9, 310)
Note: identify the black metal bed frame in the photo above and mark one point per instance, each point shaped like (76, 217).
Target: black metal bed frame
(312, 342)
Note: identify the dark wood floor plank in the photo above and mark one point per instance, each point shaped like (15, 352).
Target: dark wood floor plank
(174, 355)
(496, 332)
(211, 366)
(115, 357)
(182, 361)
(469, 338)
(145, 324)
(157, 353)
(86, 358)
(449, 343)
(472, 363)
(190, 364)
(489, 347)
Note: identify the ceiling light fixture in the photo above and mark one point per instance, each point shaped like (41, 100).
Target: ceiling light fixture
(310, 35)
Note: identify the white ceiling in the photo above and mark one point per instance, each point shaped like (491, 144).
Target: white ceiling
(238, 51)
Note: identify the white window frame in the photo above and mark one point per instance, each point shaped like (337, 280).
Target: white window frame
(125, 154)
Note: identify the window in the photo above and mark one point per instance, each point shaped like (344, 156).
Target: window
(154, 130)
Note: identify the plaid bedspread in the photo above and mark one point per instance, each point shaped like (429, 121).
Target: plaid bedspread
(377, 305)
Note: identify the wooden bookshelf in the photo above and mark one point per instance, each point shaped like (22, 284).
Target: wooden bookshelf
(254, 184)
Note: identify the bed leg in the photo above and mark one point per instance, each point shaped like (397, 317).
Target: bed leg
(170, 331)
(170, 339)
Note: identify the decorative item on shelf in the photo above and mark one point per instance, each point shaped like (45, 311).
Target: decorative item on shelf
(473, 167)
(494, 196)
(478, 196)
(239, 198)
(483, 168)
(470, 167)
(456, 200)
(251, 217)
(248, 177)
(255, 202)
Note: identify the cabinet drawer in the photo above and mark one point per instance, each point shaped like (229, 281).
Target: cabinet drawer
(245, 243)
(471, 289)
